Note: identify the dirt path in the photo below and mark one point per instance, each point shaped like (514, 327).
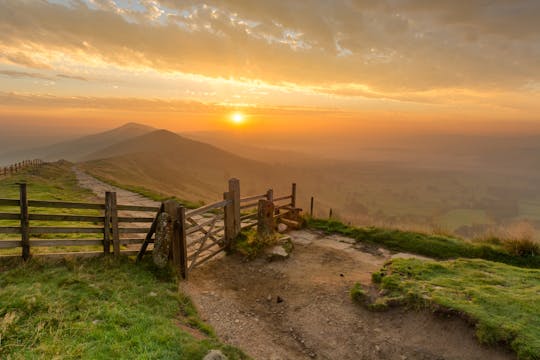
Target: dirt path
(300, 308)
(99, 188)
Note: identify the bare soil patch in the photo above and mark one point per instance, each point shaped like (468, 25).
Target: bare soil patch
(300, 308)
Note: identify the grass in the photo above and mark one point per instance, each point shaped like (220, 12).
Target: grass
(98, 309)
(434, 246)
(502, 300)
(249, 245)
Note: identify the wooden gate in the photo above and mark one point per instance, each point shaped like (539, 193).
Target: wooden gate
(201, 234)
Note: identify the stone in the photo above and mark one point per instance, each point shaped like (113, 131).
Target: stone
(163, 239)
(215, 355)
(281, 228)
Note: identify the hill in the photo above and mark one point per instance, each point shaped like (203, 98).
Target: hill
(80, 148)
(169, 164)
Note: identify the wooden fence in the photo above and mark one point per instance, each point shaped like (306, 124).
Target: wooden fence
(17, 167)
(199, 234)
(109, 227)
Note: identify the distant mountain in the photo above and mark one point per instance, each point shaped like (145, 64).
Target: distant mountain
(173, 165)
(78, 149)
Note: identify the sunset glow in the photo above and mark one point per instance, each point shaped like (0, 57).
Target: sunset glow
(238, 118)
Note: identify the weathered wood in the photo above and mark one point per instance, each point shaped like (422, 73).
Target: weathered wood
(270, 195)
(148, 237)
(283, 198)
(25, 224)
(206, 208)
(65, 204)
(198, 227)
(64, 230)
(124, 219)
(248, 216)
(252, 198)
(234, 190)
(201, 248)
(114, 225)
(171, 208)
(181, 211)
(77, 218)
(137, 208)
(10, 216)
(66, 242)
(9, 202)
(311, 207)
(9, 244)
(10, 229)
(265, 219)
(107, 224)
(293, 195)
(208, 257)
(133, 230)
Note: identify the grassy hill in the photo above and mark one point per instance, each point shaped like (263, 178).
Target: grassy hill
(169, 164)
(79, 149)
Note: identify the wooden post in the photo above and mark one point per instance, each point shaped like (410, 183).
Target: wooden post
(330, 214)
(265, 219)
(228, 220)
(172, 208)
(234, 192)
(107, 224)
(114, 225)
(25, 226)
(270, 195)
(181, 222)
(311, 207)
(293, 195)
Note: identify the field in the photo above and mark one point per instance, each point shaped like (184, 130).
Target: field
(501, 300)
(98, 309)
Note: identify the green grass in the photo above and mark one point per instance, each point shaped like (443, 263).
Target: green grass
(503, 300)
(98, 309)
(434, 246)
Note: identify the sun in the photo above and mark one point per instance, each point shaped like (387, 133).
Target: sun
(238, 118)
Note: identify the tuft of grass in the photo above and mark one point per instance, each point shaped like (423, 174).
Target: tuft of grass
(98, 309)
(358, 293)
(502, 300)
(249, 245)
(434, 246)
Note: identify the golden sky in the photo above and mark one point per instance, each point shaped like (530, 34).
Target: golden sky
(317, 64)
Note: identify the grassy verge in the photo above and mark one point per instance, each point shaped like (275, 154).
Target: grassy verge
(435, 246)
(150, 194)
(98, 309)
(503, 300)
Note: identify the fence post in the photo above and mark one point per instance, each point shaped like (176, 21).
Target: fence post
(330, 214)
(265, 219)
(234, 192)
(25, 227)
(311, 208)
(181, 212)
(270, 195)
(293, 195)
(114, 225)
(107, 224)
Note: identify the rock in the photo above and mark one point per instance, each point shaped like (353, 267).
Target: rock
(281, 228)
(162, 243)
(279, 299)
(277, 253)
(215, 355)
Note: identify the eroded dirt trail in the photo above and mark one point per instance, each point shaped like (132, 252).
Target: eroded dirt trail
(300, 308)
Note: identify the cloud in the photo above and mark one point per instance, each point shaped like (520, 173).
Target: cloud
(392, 47)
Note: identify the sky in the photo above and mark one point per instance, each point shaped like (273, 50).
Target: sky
(287, 66)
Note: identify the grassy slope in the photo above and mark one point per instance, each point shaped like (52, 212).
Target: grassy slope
(503, 300)
(435, 246)
(97, 309)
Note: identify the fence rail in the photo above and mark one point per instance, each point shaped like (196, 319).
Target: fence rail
(106, 223)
